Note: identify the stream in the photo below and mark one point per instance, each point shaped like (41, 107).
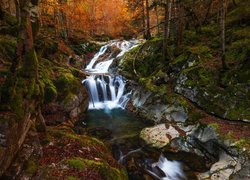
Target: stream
(108, 120)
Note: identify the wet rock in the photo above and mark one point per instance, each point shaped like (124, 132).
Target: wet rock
(72, 108)
(159, 135)
(244, 173)
(150, 106)
(223, 169)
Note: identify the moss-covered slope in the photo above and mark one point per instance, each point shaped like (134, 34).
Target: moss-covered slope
(195, 71)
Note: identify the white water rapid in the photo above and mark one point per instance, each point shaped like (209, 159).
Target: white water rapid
(107, 91)
(172, 169)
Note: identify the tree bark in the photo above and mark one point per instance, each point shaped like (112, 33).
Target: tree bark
(169, 17)
(222, 24)
(63, 20)
(165, 34)
(179, 25)
(148, 34)
(143, 20)
(157, 19)
(17, 11)
(208, 11)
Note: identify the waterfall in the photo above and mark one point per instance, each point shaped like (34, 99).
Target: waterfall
(172, 169)
(106, 90)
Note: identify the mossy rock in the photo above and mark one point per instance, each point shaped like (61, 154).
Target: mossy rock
(146, 59)
(50, 93)
(107, 172)
(92, 159)
(7, 47)
(31, 167)
(67, 83)
(8, 18)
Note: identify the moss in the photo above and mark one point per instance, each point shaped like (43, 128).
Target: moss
(71, 136)
(194, 117)
(210, 30)
(8, 18)
(240, 15)
(243, 143)
(31, 87)
(31, 167)
(215, 126)
(71, 178)
(50, 93)
(105, 170)
(17, 103)
(241, 33)
(201, 50)
(7, 47)
(148, 84)
(67, 83)
(76, 163)
(190, 37)
(30, 65)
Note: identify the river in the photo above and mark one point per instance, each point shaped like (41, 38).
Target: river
(107, 118)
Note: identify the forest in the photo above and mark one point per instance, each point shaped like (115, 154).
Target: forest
(125, 89)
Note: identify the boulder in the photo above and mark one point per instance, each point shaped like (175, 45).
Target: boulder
(159, 136)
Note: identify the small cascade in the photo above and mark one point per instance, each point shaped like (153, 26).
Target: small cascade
(107, 91)
(172, 169)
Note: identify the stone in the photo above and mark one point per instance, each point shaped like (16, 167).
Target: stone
(159, 136)
(70, 102)
(179, 116)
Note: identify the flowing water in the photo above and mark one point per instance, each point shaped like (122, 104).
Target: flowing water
(108, 99)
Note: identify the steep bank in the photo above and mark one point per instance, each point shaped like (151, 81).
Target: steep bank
(190, 88)
(28, 149)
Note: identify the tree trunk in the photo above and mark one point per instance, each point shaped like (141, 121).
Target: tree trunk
(222, 24)
(148, 34)
(157, 19)
(208, 11)
(179, 25)
(165, 35)
(169, 17)
(234, 3)
(63, 20)
(17, 11)
(143, 20)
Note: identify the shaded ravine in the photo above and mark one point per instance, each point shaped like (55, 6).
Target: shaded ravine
(107, 119)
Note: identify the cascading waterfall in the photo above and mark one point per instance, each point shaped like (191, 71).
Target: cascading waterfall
(107, 91)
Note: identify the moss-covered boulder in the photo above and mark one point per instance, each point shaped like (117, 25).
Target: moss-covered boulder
(67, 155)
(202, 88)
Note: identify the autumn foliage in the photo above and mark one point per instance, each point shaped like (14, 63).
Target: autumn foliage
(89, 17)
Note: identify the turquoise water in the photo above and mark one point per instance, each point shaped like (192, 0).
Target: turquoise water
(121, 123)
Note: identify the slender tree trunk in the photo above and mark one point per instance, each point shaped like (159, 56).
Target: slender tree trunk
(208, 11)
(148, 34)
(63, 20)
(17, 11)
(222, 24)
(143, 19)
(165, 34)
(234, 3)
(169, 17)
(157, 19)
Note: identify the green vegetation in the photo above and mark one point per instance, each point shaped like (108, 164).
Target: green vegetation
(76, 163)
(31, 167)
(220, 92)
